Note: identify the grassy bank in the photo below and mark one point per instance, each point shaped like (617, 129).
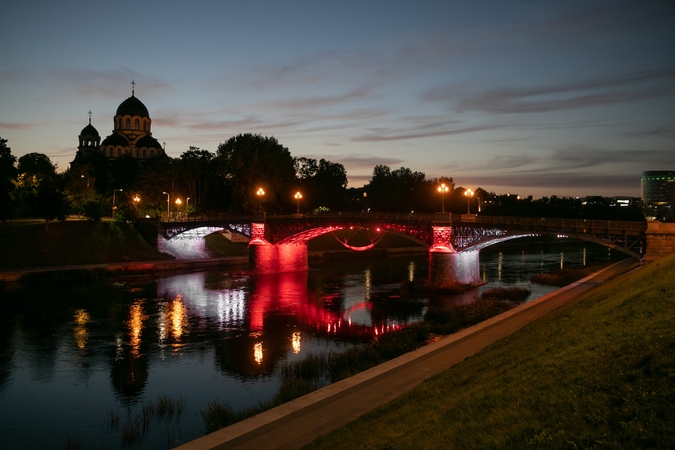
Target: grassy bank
(72, 243)
(219, 245)
(596, 373)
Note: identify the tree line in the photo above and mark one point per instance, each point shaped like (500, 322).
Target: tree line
(200, 182)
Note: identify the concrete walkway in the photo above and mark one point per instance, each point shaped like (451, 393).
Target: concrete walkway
(297, 423)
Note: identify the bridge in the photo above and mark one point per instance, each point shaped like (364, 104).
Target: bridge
(279, 243)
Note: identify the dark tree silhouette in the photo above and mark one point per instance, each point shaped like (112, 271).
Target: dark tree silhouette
(8, 173)
(249, 162)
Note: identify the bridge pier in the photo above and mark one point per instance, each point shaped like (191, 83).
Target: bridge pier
(446, 265)
(458, 267)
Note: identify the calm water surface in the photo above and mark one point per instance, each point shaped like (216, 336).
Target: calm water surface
(72, 358)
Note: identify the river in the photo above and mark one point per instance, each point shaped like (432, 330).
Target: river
(79, 362)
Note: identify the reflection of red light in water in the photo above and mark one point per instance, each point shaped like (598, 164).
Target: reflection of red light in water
(288, 292)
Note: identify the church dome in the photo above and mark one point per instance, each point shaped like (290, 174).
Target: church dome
(132, 107)
(89, 130)
(148, 142)
(115, 140)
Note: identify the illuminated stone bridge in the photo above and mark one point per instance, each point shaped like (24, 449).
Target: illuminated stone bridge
(279, 244)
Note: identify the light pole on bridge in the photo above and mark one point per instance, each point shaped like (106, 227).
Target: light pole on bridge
(260, 194)
(168, 210)
(443, 188)
(298, 196)
(469, 194)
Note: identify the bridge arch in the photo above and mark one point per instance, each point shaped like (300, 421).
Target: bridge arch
(585, 237)
(188, 243)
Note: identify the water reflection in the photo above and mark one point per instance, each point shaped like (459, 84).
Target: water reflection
(258, 352)
(178, 318)
(224, 336)
(80, 331)
(296, 342)
(135, 324)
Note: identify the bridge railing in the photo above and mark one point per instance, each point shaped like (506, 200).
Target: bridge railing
(524, 223)
(576, 225)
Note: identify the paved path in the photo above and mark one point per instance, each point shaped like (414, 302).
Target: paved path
(299, 422)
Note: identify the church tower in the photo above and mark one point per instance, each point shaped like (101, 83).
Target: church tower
(89, 139)
(131, 133)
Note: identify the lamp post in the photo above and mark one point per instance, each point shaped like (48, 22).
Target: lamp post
(178, 202)
(260, 194)
(469, 194)
(187, 207)
(443, 189)
(168, 211)
(113, 206)
(298, 196)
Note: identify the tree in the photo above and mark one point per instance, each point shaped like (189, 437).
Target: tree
(198, 178)
(8, 174)
(51, 202)
(324, 183)
(401, 190)
(36, 165)
(41, 188)
(248, 162)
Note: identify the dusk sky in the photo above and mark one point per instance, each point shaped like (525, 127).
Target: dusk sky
(567, 98)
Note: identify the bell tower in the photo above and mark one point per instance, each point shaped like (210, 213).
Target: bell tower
(89, 139)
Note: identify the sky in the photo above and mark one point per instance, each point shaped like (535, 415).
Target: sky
(541, 98)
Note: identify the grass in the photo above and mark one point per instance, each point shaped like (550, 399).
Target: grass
(421, 286)
(219, 245)
(568, 275)
(72, 243)
(513, 294)
(134, 430)
(596, 373)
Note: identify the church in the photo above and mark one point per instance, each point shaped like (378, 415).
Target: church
(131, 134)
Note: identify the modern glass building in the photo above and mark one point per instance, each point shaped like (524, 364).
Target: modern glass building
(658, 194)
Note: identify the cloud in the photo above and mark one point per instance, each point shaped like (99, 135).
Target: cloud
(311, 102)
(20, 126)
(422, 131)
(658, 132)
(643, 85)
(357, 161)
(618, 182)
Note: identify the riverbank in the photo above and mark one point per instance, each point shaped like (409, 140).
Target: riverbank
(426, 417)
(73, 243)
(596, 372)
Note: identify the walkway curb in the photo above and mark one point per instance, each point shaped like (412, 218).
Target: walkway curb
(240, 434)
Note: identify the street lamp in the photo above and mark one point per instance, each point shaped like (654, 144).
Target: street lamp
(168, 211)
(178, 202)
(298, 196)
(114, 207)
(137, 199)
(469, 194)
(260, 194)
(443, 189)
(187, 207)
